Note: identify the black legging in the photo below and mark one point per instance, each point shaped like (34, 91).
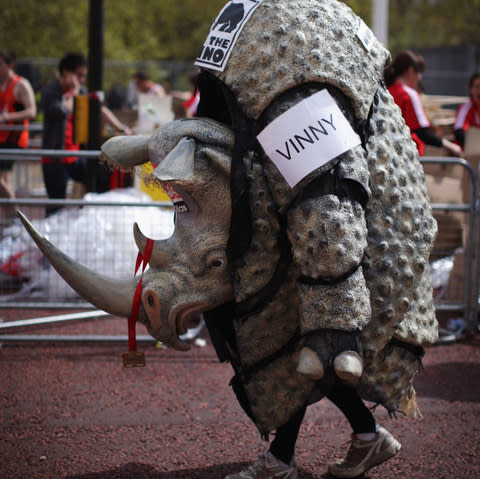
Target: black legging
(346, 399)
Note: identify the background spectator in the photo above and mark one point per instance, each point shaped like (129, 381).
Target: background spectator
(141, 83)
(108, 117)
(17, 107)
(57, 106)
(403, 78)
(468, 114)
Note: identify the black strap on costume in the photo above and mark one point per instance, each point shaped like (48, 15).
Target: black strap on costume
(219, 103)
(222, 334)
(255, 303)
(328, 281)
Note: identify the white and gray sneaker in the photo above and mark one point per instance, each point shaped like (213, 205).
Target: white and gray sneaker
(267, 466)
(363, 455)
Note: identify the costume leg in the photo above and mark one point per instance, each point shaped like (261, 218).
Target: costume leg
(283, 446)
(363, 453)
(357, 413)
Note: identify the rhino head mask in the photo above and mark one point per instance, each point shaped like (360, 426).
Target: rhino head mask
(188, 272)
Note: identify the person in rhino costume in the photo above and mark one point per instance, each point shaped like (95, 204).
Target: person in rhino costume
(324, 237)
(329, 292)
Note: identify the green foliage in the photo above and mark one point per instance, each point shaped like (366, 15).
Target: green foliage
(361, 8)
(45, 28)
(433, 23)
(176, 29)
(134, 30)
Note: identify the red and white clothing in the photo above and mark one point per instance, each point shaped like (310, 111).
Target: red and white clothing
(467, 115)
(410, 103)
(191, 104)
(8, 105)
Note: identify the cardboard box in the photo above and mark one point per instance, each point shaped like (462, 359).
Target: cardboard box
(439, 169)
(472, 155)
(444, 189)
(450, 235)
(472, 142)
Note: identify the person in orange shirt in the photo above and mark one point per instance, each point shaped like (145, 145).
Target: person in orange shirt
(17, 107)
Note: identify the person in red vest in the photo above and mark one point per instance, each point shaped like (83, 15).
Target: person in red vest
(468, 114)
(17, 107)
(57, 101)
(402, 78)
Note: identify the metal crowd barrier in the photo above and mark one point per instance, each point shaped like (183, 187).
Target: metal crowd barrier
(465, 302)
(455, 243)
(476, 261)
(75, 214)
(27, 167)
(32, 201)
(34, 207)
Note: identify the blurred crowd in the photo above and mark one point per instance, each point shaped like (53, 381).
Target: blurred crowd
(144, 104)
(140, 106)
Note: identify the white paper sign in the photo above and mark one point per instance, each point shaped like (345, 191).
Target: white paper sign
(307, 136)
(224, 33)
(365, 35)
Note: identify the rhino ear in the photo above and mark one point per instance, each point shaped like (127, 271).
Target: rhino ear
(179, 163)
(126, 151)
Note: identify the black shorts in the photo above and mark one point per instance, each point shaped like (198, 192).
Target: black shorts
(7, 165)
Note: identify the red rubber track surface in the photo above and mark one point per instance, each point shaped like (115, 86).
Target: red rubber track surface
(70, 410)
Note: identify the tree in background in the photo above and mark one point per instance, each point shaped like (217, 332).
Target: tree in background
(150, 29)
(433, 23)
(175, 29)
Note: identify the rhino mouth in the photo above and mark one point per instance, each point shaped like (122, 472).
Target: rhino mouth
(188, 317)
(168, 324)
(181, 318)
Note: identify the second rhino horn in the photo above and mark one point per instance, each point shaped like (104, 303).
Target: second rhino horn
(179, 163)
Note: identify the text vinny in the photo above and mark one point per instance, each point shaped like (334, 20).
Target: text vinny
(311, 134)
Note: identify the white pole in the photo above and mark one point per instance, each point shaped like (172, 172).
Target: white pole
(380, 20)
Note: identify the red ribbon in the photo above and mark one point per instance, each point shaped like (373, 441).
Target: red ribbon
(142, 260)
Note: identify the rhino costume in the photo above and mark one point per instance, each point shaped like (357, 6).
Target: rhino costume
(329, 275)
(346, 249)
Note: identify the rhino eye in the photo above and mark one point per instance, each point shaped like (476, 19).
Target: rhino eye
(216, 263)
(215, 260)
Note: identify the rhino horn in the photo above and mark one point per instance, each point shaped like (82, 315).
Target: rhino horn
(140, 238)
(113, 296)
(126, 151)
(160, 253)
(179, 163)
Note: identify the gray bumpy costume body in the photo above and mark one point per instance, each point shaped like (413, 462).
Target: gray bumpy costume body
(348, 247)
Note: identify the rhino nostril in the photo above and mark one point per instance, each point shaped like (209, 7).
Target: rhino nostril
(150, 300)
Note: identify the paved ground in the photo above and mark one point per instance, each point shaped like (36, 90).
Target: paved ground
(70, 410)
